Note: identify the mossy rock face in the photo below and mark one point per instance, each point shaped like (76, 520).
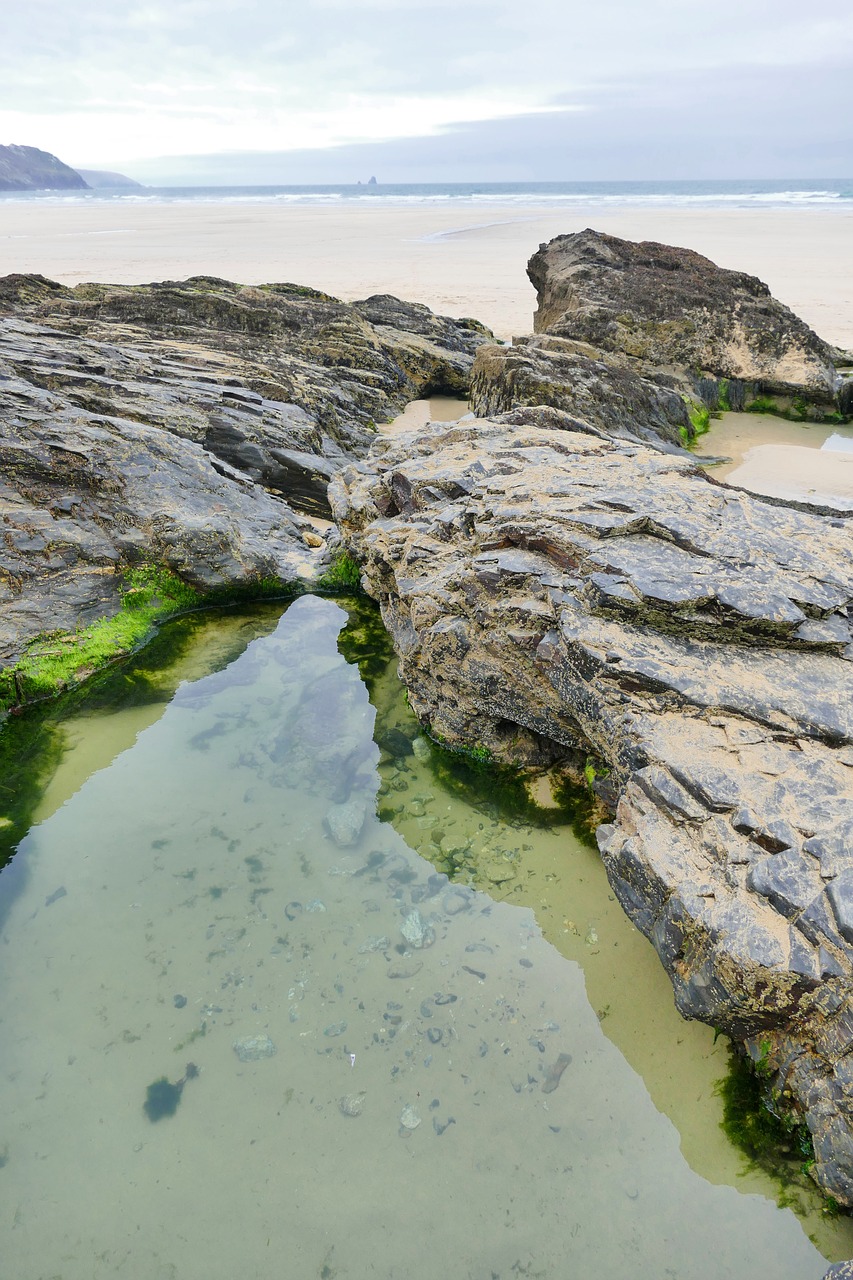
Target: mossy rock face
(754, 1123)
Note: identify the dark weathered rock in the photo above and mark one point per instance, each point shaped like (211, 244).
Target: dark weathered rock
(600, 389)
(83, 496)
(551, 591)
(186, 424)
(666, 307)
(632, 337)
(287, 344)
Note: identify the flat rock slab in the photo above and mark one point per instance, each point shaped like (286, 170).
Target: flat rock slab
(551, 592)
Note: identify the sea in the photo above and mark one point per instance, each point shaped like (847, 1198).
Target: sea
(730, 193)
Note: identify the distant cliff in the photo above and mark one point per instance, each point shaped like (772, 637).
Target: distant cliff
(106, 178)
(28, 169)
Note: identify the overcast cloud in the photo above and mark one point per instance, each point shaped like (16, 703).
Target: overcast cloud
(433, 90)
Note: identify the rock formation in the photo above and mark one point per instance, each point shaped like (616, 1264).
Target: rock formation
(28, 169)
(560, 585)
(187, 425)
(646, 332)
(553, 593)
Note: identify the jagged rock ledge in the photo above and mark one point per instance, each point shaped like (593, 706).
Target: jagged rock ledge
(552, 591)
(191, 425)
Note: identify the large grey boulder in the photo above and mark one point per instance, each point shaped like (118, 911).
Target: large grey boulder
(632, 337)
(667, 307)
(556, 593)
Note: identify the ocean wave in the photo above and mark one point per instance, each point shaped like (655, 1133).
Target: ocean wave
(553, 195)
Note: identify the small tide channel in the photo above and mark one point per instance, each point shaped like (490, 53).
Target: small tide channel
(282, 992)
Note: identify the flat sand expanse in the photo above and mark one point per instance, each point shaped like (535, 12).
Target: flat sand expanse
(467, 260)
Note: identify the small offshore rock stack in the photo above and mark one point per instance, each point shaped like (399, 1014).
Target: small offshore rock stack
(639, 339)
(557, 591)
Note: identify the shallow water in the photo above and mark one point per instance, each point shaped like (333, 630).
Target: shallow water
(807, 462)
(454, 1088)
(418, 413)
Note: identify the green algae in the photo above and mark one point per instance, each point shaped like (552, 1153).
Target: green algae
(57, 661)
(771, 1138)
(33, 737)
(342, 576)
(364, 642)
(162, 1096)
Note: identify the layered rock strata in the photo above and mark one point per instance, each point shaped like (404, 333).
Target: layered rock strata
(189, 425)
(643, 332)
(551, 591)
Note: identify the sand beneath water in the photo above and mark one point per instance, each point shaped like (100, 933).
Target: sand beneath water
(806, 462)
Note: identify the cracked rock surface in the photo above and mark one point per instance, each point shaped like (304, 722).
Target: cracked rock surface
(550, 591)
(190, 424)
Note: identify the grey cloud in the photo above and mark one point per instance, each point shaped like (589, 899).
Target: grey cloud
(667, 83)
(740, 124)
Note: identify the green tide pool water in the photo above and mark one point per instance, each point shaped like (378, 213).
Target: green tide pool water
(287, 993)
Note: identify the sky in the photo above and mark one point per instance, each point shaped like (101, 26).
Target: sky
(432, 90)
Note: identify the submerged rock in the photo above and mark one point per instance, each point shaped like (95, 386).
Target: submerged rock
(254, 1048)
(555, 592)
(345, 822)
(409, 1120)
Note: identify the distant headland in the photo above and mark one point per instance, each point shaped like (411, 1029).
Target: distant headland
(29, 169)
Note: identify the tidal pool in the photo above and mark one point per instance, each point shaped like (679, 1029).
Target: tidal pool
(398, 1073)
(805, 461)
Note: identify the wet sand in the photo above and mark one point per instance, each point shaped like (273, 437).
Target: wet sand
(467, 260)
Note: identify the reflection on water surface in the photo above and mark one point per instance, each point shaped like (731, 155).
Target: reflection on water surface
(398, 1074)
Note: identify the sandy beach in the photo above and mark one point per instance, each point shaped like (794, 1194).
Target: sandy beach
(460, 260)
(467, 260)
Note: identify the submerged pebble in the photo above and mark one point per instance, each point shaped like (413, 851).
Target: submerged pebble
(351, 1104)
(416, 931)
(344, 822)
(409, 1119)
(374, 944)
(554, 1073)
(253, 1048)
